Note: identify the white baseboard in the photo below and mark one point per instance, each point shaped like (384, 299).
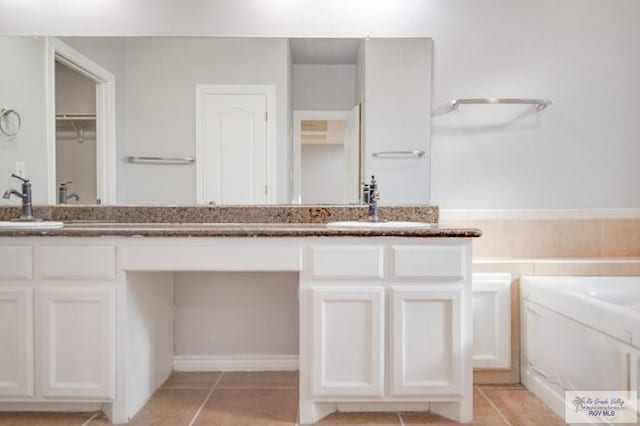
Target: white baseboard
(235, 362)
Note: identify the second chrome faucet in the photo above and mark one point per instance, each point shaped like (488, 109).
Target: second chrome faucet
(371, 199)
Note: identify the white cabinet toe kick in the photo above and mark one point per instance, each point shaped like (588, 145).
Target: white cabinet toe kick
(385, 323)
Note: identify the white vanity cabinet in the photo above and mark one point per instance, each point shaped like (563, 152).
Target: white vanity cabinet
(388, 323)
(57, 323)
(385, 322)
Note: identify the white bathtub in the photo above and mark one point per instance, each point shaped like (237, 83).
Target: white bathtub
(579, 333)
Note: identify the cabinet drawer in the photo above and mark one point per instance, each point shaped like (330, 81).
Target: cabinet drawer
(349, 262)
(77, 262)
(16, 262)
(436, 262)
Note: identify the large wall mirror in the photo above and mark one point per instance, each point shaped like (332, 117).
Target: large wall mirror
(183, 120)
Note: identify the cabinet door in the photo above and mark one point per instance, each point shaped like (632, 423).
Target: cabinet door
(426, 341)
(348, 341)
(16, 342)
(76, 342)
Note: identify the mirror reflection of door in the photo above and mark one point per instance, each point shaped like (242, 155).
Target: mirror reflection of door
(76, 173)
(329, 159)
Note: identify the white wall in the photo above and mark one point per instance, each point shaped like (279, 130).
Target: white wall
(581, 53)
(22, 88)
(324, 87)
(225, 313)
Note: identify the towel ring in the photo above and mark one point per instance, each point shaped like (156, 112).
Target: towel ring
(5, 114)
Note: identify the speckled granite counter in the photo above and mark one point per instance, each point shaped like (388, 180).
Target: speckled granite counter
(228, 221)
(223, 214)
(237, 230)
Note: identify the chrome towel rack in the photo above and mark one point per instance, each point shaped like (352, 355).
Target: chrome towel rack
(398, 154)
(159, 160)
(5, 117)
(539, 103)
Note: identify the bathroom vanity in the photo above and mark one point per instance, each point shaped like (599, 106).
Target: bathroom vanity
(385, 317)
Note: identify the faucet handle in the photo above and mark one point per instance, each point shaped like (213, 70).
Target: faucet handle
(13, 175)
(66, 183)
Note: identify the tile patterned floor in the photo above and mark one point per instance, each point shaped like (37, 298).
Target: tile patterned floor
(271, 399)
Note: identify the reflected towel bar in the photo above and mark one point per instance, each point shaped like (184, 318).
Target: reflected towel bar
(539, 103)
(159, 160)
(398, 154)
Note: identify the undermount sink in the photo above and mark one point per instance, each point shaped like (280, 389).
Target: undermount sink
(45, 224)
(379, 225)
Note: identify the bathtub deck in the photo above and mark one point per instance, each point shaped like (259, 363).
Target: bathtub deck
(255, 399)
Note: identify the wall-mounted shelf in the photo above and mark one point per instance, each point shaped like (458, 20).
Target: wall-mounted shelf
(159, 160)
(540, 104)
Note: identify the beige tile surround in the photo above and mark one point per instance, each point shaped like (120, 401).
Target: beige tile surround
(588, 247)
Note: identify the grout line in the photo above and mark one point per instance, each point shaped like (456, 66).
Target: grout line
(400, 418)
(92, 418)
(257, 387)
(195, 416)
(502, 416)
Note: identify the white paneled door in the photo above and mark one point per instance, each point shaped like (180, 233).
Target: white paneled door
(16, 341)
(233, 145)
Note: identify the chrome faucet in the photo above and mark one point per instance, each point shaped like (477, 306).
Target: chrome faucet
(27, 207)
(372, 201)
(62, 193)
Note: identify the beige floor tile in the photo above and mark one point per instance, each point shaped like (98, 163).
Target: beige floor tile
(483, 414)
(100, 420)
(425, 419)
(43, 419)
(346, 419)
(520, 407)
(171, 407)
(192, 380)
(249, 407)
(259, 379)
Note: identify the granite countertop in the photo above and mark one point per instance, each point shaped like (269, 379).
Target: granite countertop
(98, 229)
(228, 221)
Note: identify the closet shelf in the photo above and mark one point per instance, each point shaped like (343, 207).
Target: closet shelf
(75, 117)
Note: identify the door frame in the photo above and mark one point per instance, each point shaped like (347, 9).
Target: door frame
(298, 116)
(269, 91)
(57, 50)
